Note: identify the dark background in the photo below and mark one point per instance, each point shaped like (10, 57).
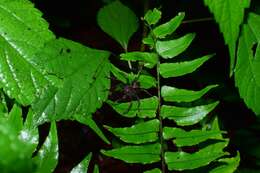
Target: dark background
(76, 20)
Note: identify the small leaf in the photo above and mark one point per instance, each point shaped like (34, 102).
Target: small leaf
(147, 81)
(172, 48)
(193, 137)
(168, 28)
(88, 121)
(119, 74)
(138, 133)
(156, 170)
(82, 167)
(173, 94)
(153, 16)
(185, 161)
(149, 59)
(182, 68)
(143, 108)
(15, 118)
(230, 165)
(96, 169)
(187, 116)
(144, 154)
(47, 157)
(247, 73)
(118, 21)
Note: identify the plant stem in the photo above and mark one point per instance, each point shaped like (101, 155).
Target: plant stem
(160, 118)
(197, 20)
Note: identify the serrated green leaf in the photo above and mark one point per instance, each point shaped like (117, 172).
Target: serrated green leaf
(22, 33)
(91, 124)
(143, 108)
(144, 154)
(47, 157)
(230, 165)
(193, 137)
(187, 116)
(229, 14)
(185, 161)
(149, 59)
(182, 68)
(168, 28)
(247, 73)
(153, 16)
(82, 167)
(85, 73)
(172, 48)
(118, 21)
(156, 170)
(173, 94)
(138, 133)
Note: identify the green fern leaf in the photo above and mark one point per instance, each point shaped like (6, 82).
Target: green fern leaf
(247, 73)
(168, 28)
(138, 133)
(144, 154)
(182, 68)
(143, 108)
(187, 116)
(118, 21)
(229, 14)
(172, 48)
(173, 94)
(22, 33)
(156, 170)
(185, 161)
(193, 137)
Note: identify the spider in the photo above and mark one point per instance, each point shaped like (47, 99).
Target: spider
(129, 91)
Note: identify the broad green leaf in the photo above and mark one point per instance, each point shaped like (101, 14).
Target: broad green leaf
(182, 68)
(230, 165)
(22, 33)
(15, 153)
(193, 137)
(82, 167)
(149, 59)
(187, 116)
(118, 21)
(143, 108)
(138, 133)
(156, 170)
(85, 73)
(247, 73)
(168, 28)
(91, 124)
(47, 157)
(144, 154)
(173, 94)
(172, 48)
(185, 161)
(15, 118)
(229, 14)
(153, 16)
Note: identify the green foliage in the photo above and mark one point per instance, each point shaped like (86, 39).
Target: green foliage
(19, 141)
(247, 74)
(229, 14)
(145, 140)
(118, 21)
(82, 167)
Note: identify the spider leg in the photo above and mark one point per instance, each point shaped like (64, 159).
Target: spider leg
(144, 90)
